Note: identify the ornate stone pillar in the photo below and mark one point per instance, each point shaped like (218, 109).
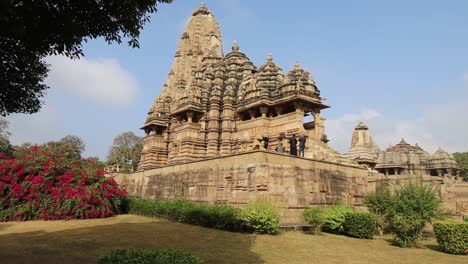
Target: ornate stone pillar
(279, 110)
(227, 124)
(213, 125)
(190, 116)
(264, 111)
(252, 113)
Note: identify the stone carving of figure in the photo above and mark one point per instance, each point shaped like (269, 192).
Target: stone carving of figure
(293, 145)
(265, 140)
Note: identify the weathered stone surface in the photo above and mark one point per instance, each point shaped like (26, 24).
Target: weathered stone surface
(294, 183)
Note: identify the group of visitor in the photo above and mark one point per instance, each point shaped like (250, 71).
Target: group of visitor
(294, 147)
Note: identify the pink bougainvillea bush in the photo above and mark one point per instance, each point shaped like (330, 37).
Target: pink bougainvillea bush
(40, 185)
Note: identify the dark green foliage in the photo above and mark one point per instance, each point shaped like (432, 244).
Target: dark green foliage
(212, 216)
(22, 76)
(380, 204)
(406, 229)
(406, 212)
(452, 237)
(465, 219)
(31, 30)
(334, 218)
(215, 216)
(262, 216)
(462, 160)
(413, 207)
(313, 216)
(360, 225)
(149, 256)
(419, 201)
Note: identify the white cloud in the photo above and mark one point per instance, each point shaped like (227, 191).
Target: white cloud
(41, 127)
(101, 80)
(443, 125)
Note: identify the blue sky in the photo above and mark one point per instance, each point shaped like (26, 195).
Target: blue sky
(399, 66)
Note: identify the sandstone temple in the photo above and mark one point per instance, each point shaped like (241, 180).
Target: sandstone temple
(214, 104)
(222, 131)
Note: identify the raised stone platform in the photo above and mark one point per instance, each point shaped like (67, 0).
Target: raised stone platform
(293, 182)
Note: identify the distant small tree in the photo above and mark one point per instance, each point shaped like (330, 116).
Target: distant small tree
(5, 145)
(380, 204)
(462, 160)
(70, 147)
(22, 150)
(98, 161)
(125, 151)
(413, 207)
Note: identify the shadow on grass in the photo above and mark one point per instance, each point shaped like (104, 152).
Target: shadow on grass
(434, 248)
(85, 245)
(4, 225)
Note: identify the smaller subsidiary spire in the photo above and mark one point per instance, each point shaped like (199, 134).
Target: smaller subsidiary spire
(440, 150)
(201, 10)
(361, 126)
(270, 57)
(297, 66)
(235, 46)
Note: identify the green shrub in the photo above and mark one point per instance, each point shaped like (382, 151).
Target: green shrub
(314, 217)
(360, 225)
(261, 216)
(465, 219)
(420, 201)
(334, 217)
(214, 216)
(452, 237)
(406, 229)
(381, 205)
(149, 256)
(413, 207)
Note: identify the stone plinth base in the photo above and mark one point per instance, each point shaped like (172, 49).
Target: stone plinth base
(293, 183)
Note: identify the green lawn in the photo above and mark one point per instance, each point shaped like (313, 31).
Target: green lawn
(84, 241)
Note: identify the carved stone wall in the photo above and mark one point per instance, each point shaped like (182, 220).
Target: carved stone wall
(294, 183)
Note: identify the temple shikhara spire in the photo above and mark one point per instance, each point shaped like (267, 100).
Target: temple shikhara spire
(214, 104)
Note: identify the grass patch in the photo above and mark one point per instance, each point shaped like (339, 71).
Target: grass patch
(85, 240)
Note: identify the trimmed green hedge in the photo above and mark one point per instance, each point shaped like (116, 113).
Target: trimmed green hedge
(261, 216)
(452, 236)
(313, 216)
(360, 225)
(341, 219)
(149, 256)
(334, 218)
(212, 216)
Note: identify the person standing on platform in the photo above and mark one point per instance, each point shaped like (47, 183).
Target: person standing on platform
(293, 145)
(280, 148)
(302, 141)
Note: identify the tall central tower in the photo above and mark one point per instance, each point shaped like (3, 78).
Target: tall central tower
(216, 105)
(201, 38)
(199, 44)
